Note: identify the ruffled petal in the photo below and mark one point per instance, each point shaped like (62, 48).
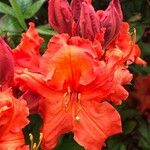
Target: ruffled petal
(13, 116)
(75, 64)
(6, 61)
(97, 122)
(27, 53)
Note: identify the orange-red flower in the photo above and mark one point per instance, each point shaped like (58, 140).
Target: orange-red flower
(74, 84)
(126, 43)
(74, 78)
(80, 18)
(13, 117)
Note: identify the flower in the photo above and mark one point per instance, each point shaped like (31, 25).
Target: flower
(76, 79)
(74, 84)
(126, 42)
(6, 61)
(79, 18)
(13, 116)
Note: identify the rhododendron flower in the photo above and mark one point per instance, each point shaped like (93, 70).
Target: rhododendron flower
(126, 43)
(81, 19)
(141, 94)
(6, 65)
(13, 117)
(74, 83)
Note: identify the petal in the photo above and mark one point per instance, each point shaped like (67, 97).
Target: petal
(96, 125)
(88, 23)
(32, 99)
(13, 116)
(57, 121)
(111, 19)
(13, 142)
(27, 53)
(75, 65)
(60, 16)
(6, 61)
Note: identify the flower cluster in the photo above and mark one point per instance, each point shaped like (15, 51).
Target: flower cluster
(83, 69)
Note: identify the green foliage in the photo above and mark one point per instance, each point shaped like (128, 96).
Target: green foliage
(66, 142)
(33, 9)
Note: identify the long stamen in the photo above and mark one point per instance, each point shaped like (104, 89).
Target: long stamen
(77, 117)
(133, 36)
(35, 146)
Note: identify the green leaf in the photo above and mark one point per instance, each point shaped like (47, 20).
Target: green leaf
(145, 48)
(24, 4)
(6, 9)
(33, 9)
(45, 30)
(128, 114)
(144, 131)
(68, 143)
(129, 126)
(10, 25)
(18, 13)
(114, 143)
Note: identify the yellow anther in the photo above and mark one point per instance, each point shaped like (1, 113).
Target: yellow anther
(133, 36)
(77, 118)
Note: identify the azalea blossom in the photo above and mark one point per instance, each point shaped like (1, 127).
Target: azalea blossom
(74, 81)
(80, 18)
(73, 101)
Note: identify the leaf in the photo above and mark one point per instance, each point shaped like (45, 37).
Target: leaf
(114, 143)
(45, 30)
(33, 9)
(129, 114)
(10, 24)
(144, 131)
(6, 9)
(18, 13)
(145, 48)
(129, 126)
(68, 143)
(24, 4)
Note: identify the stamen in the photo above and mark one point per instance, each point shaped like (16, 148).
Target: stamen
(31, 140)
(133, 36)
(35, 146)
(77, 118)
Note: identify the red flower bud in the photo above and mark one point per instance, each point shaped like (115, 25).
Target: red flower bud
(6, 64)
